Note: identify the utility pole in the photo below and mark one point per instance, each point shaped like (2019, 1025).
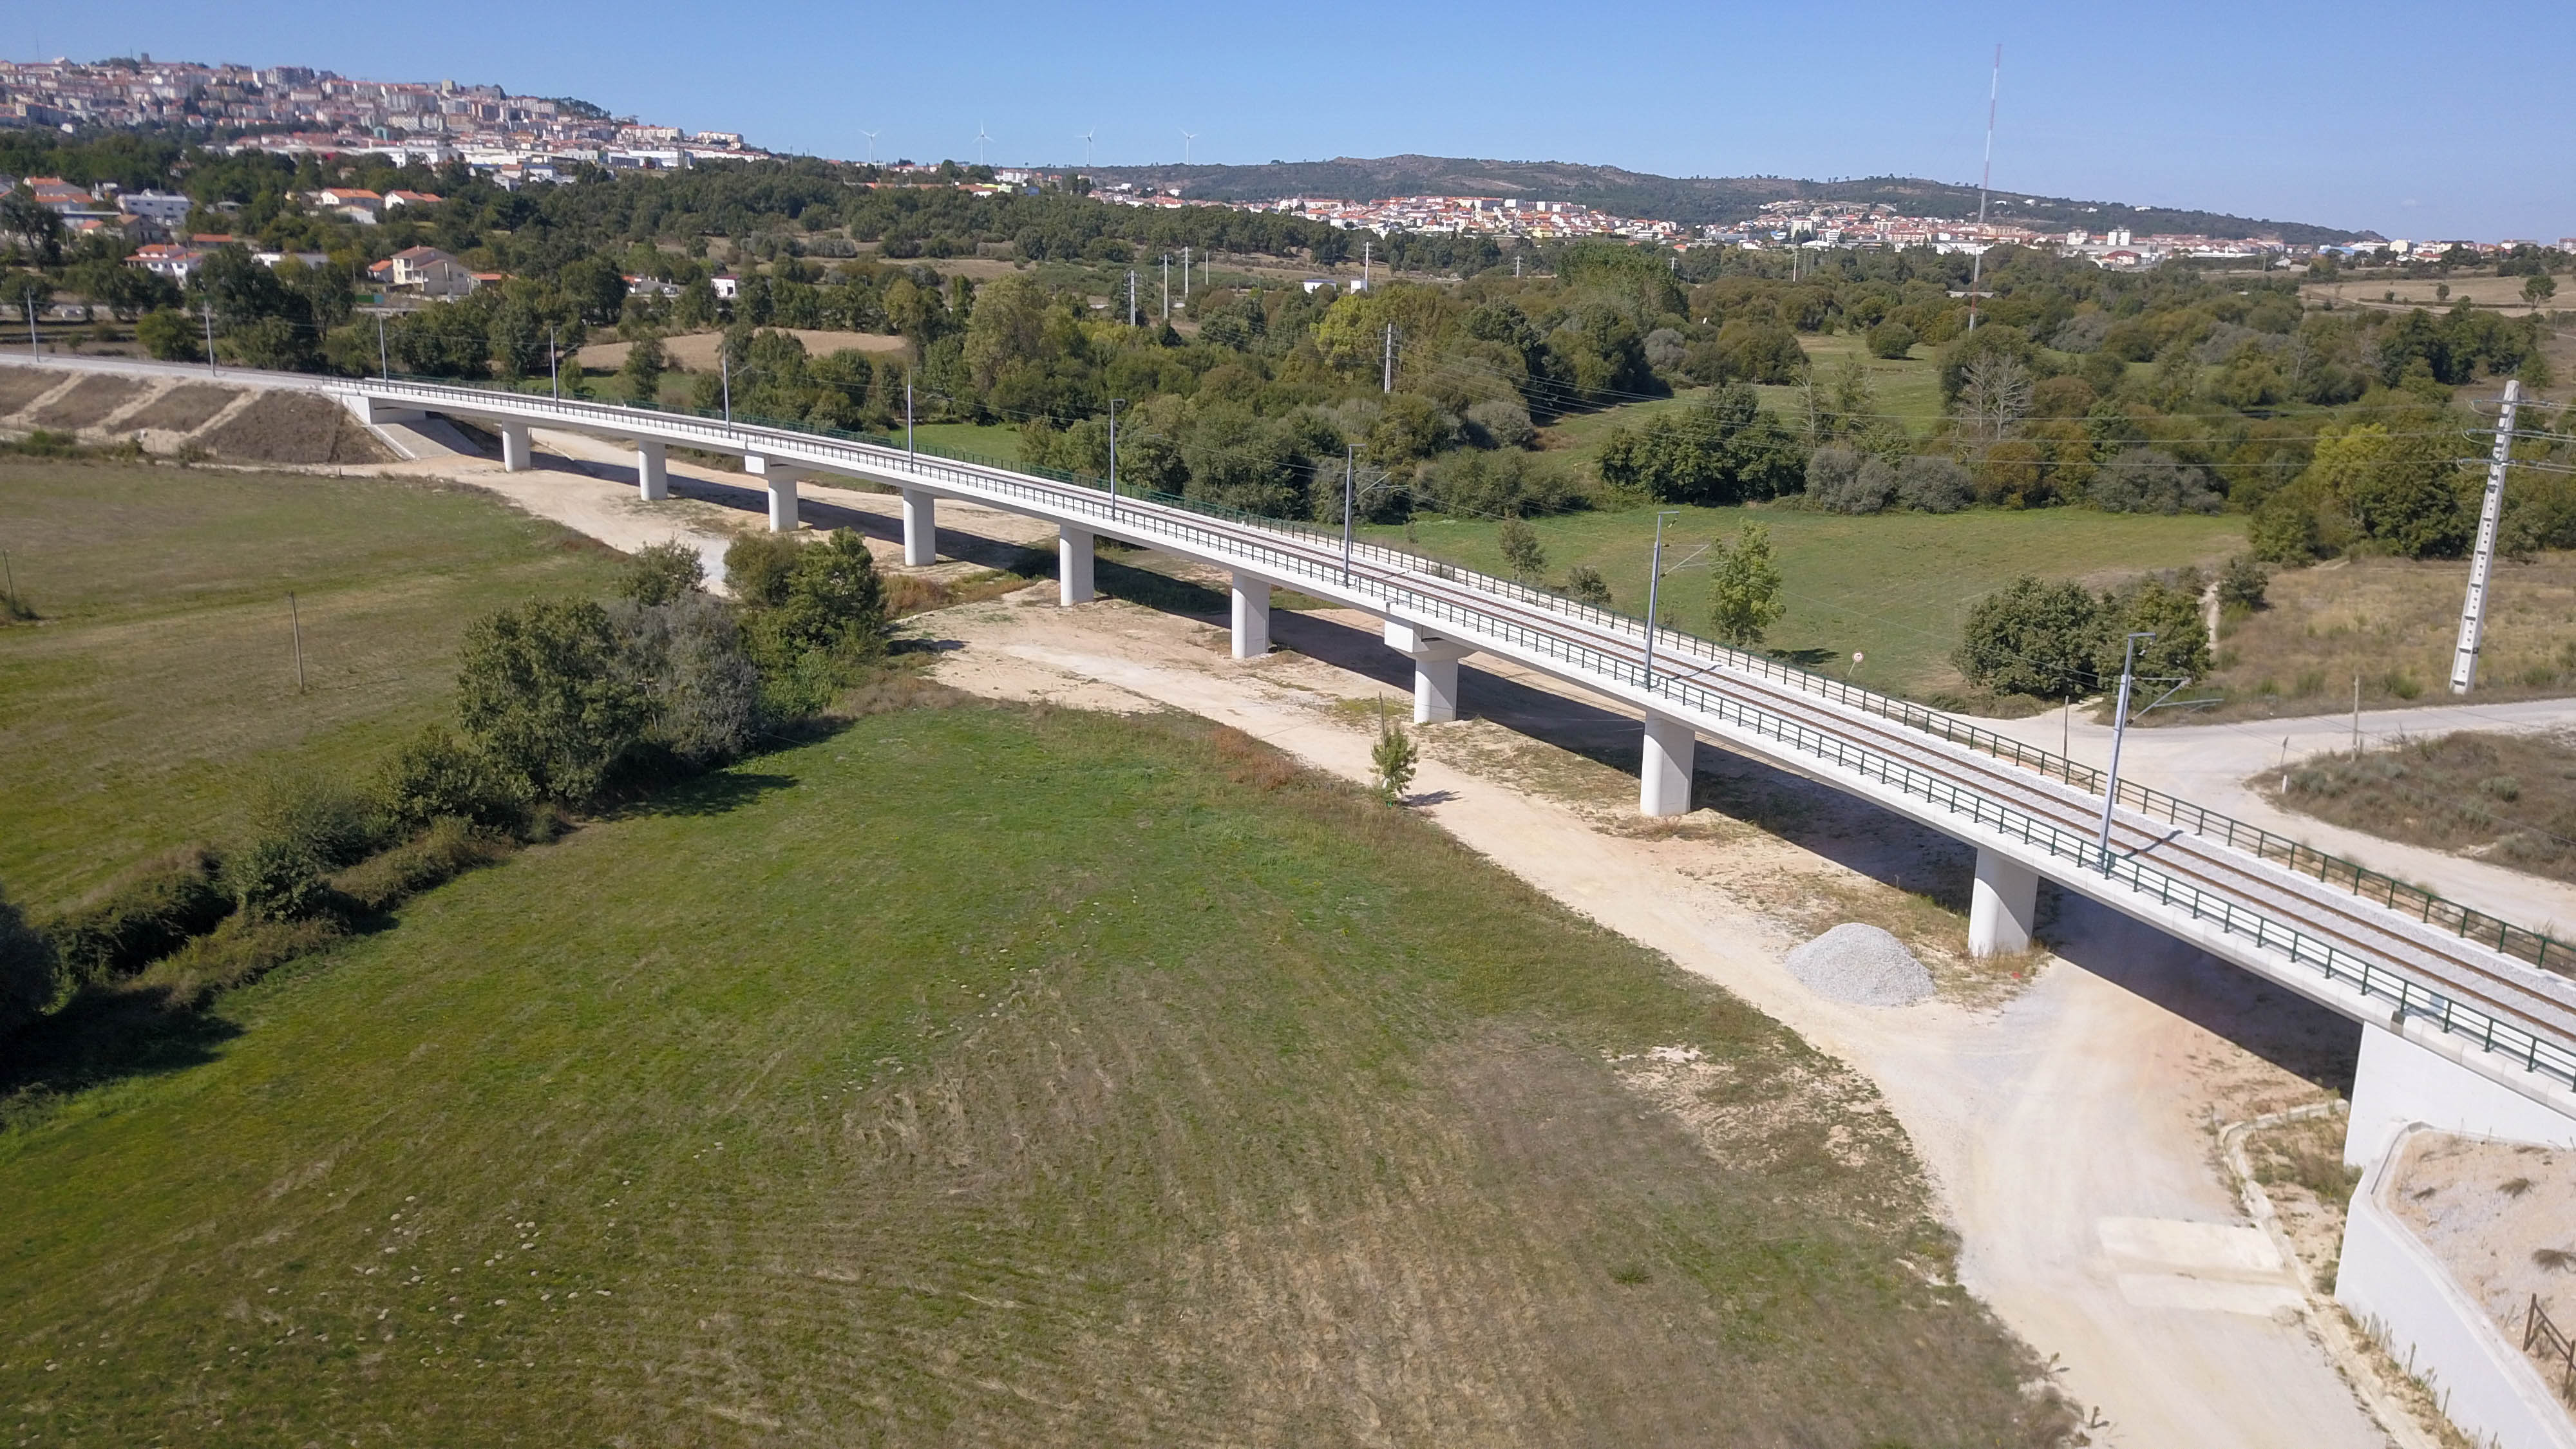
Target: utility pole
(724, 372)
(1113, 455)
(1167, 286)
(1977, 268)
(1389, 384)
(2473, 610)
(2119, 733)
(295, 621)
(554, 363)
(209, 309)
(384, 356)
(1349, 474)
(907, 414)
(28, 301)
(1365, 248)
(1654, 583)
(1131, 296)
(1185, 278)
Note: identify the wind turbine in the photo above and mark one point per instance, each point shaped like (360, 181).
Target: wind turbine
(980, 138)
(1186, 138)
(1086, 146)
(872, 146)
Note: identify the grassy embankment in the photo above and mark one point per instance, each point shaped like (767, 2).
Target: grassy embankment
(2506, 798)
(161, 681)
(969, 1073)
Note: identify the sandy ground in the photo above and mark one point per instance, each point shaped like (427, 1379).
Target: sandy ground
(2486, 1208)
(2209, 765)
(2081, 1178)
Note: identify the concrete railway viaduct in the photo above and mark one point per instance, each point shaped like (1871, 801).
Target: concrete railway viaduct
(2469, 1023)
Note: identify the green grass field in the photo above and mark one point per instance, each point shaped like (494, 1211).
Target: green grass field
(162, 678)
(1894, 586)
(1908, 389)
(998, 440)
(985, 1075)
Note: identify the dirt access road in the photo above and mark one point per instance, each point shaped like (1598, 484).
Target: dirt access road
(2066, 1121)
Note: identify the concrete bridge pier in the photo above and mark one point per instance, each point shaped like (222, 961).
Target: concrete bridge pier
(1664, 780)
(2002, 905)
(921, 530)
(781, 478)
(652, 475)
(1435, 670)
(514, 446)
(1251, 615)
(1073, 556)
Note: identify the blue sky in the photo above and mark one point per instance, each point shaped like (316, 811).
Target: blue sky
(2410, 120)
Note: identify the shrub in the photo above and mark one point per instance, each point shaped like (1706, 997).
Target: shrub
(1891, 340)
(757, 566)
(1932, 484)
(687, 658)
(661, 572)
(2241, 584)
(2032, 638)
(1468, 482)
(433, 776)
(2150, 480)
(29, 970)
(238, 952)
(834, 601)
(542, 697)
(1841, 479)
(148, 913)
(1501, 423)
(447, 849)
(1394, 758)
(1522, 552)
(302, 828)
(1584, 584)
(2180, 649)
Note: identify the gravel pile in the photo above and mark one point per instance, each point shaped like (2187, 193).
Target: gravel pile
(1861, 964)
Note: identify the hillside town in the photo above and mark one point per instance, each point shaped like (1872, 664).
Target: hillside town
(297, 110)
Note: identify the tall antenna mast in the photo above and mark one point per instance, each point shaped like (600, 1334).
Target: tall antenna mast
(1985, 183)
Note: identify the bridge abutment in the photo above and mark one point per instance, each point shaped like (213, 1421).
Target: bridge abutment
(781, 478)
(1251, 615)
(2404, 1079)
(1664, 776)
(1073, 560)
(652, 472)
(515, 453)
(920, 528)
(2002, 905)
(1435, 670)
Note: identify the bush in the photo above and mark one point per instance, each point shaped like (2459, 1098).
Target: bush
(1891, 340)
(661, 572)
(434, 777)
(2241, 584)
(2032, 638)
(688, 659)
(1842, 479)
(145, 915)
(1501, 423)
(1584, 584)
(543, 699)
(447, 849)
(236, 953)
(1470, 483)
(757, 566)
(1522, 552)
(302, 828)
(834, 601)
(2150, 480)
(29, 970)
(1932, 484)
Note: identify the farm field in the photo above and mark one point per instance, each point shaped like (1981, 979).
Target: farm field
(161, 680)
(1894, 586)
(856, 1092)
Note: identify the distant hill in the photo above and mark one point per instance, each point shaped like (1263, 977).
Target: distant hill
(1691, 200)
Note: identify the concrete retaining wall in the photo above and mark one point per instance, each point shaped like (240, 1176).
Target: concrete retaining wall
(2396, 1287)
(2403, 1080)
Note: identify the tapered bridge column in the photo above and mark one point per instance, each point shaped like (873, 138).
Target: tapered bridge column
(1251, 615)
(781, 478)
(920, 528)
(1664, 779)
(514, 446)
(1435, 669)
(2002, 906)
(1073, 555)
(652, 474)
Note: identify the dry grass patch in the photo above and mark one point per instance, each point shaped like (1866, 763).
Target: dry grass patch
(90, 399)
(183, 409)
(2393, 623)
(2506, 798)
(20, 386)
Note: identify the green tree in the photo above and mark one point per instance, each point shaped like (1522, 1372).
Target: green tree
(662, 572)
(1394, 758)
(36, 226)
(641, 373)
(758, 566)
(2180, 649)
(540, 694)
(834, 601)
(1584, 584)
(2539, 288)
(170, 335)
(1744, 588)
(1522, 552)
(2032, 638)
(1891, 339)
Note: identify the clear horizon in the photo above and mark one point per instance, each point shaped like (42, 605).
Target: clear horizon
(2336, 118)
